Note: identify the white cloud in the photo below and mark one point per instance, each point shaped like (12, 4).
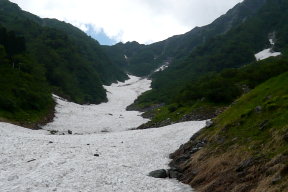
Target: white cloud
(145, 21)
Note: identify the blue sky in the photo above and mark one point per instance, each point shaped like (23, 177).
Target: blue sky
(100, 36)
(145, 21)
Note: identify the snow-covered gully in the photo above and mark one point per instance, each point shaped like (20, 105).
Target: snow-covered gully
(101, 155)
(266, 53)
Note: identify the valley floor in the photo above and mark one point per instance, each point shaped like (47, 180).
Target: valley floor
(89, 159)
(106, 117)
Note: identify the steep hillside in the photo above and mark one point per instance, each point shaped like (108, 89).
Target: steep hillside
(25, 96)
(208, 96)
(234, 49)
(141, 60)
(246, 147)
(91, 50)
(75, 65)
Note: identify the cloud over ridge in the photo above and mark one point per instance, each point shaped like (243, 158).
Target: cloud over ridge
(145, 21)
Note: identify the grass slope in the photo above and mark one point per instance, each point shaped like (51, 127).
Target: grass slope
(246, 147)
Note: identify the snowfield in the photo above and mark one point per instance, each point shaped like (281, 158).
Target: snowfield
(30, 162)
(119, 160)
(106, 117)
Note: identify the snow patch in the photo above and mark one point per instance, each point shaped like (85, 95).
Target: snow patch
(266, 53)
(271, 41)
(163, 67)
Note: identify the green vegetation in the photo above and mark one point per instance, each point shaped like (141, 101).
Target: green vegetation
(144, 59)
(25, 95)
(246, 147)
(197, 76)
(90, 50)
(74, 64)
(215, 90)
(258, 120)
(39, 57)
(227, 85)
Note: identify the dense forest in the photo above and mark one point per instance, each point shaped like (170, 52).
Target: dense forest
(75, 65)
(44, 56)
(25, 94)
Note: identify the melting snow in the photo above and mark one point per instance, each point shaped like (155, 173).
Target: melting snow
(266, 53)
(106, 117)
(37, 161)
(163, 67)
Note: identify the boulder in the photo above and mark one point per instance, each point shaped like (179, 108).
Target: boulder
(161, 173)
(194, 150)
(200, 144)
(53, 132)
(245, 164)
(258, 109)
(174, 174)
(209, 123)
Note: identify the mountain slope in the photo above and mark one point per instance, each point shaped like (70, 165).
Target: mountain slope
(25, 95)
(246, 147)
(75, 65)
(208, 96)
(141, 60)
(91, 50)
(234, 49)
